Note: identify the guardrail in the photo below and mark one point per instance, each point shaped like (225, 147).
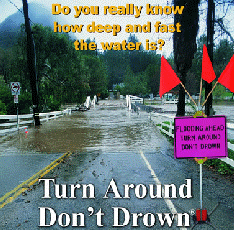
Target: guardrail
(161, 118)
(88, 103)
(132, 99)
(10, 121)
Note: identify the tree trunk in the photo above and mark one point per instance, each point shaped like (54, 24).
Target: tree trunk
(181, 102)
(210, 45)
(184, 43)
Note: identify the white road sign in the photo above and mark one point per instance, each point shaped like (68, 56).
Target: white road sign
(16, 99)
(15, 88)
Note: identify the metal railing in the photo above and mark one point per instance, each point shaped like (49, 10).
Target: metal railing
(8, 123)
(132, 99)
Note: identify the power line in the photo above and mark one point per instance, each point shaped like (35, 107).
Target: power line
(19, 10)
(16, 7)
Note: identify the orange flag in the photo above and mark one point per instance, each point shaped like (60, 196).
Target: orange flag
(168, 78)
(208, 73)
(227, 76)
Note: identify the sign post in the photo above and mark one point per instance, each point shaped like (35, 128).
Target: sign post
(201, 186)
(16, 102)
(15, 91)
(201, 162)
(200, 137)
(203, 137)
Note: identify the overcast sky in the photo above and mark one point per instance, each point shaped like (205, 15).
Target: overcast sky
(8, 8)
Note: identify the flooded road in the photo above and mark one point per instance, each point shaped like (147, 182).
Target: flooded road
(67, 133)
(109, 142)
(108, 128)
(226, 110)
(113, 131)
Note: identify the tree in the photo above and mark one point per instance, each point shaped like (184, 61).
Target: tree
(194, 73)
(139, 62)
(96, 74)
(222, 24)
(135, 84)
(116, 64)
(3, 110)
(6, 99)
(61, 69)
(184, 43)
(153, 74)
(64, 74)
(31, 64)
(222, 55)
(219, 91)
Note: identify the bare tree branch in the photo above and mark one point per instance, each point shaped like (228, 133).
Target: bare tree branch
(219, 21)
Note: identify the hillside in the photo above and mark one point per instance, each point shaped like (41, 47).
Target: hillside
(10, 27)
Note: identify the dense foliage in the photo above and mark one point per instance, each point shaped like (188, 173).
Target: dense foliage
(66, 75)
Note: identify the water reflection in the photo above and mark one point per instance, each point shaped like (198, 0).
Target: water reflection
(68, 133)
(109, 127)
(123, 131)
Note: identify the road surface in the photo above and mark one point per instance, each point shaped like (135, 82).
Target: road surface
(118, 157)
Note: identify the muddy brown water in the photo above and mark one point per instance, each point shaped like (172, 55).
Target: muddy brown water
(109, 127)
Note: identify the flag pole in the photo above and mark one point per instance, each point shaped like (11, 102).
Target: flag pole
(188, 93)
(199, 102)
(209, 93)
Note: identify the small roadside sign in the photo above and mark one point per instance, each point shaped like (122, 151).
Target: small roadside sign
(200, 137)
(15, 88)
(16, 99)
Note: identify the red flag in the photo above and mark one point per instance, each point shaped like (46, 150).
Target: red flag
(227, 76)
(208, 73)
(168, 78)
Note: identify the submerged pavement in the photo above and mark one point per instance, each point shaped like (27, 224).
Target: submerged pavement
(113, 149)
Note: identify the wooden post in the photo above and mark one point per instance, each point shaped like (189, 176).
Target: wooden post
(31, 60)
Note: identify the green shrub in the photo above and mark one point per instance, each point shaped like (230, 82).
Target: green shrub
(25, 102)
(53, 104)
(3, 110)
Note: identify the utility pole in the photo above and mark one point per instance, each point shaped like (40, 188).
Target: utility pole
(210, 45)
(31, 60)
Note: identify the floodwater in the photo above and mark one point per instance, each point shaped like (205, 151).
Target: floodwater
(115, 143)
(108, 128)
(227, 110)
(67, 133)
